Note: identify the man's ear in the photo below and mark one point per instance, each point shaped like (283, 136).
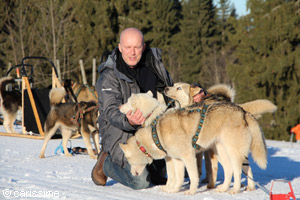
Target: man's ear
(120, 48)
(144, 46)
(150, 93)
(194, 90)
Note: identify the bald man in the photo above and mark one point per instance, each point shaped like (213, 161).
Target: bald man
(133, 67)
(131, 46)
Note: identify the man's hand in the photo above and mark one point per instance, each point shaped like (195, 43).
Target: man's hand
(198, 97)
(136, 118)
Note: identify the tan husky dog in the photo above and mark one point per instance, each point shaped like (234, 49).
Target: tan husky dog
(183, 94)
(177, 132)
(79, 92)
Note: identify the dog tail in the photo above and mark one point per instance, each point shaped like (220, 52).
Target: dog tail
(222, 90)
(3, 82)
(258, 144)
(56, 95)
(259, 107)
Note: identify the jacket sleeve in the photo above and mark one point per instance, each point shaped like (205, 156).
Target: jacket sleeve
(110, 98)
(162, 71)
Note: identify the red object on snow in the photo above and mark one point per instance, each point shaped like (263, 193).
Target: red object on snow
(296, 131)
(287, 196)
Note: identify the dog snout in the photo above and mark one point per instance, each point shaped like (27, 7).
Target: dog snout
(166, 89)
(134, 173)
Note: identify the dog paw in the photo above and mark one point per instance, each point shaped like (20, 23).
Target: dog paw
(210, 186)
(234, 191)
(68, 154)
(190, 192)
(248, 188)
(42, 156)
(93, 157)
(221, 188)
(169, 189)
(164, 188)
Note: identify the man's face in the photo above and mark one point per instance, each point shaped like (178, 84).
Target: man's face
(131, 47)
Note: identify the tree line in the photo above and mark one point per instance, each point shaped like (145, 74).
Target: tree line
(203, 42)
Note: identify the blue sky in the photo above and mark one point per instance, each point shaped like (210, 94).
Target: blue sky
(240, 6)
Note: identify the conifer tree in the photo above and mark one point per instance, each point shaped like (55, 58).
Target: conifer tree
(4, 39)
(197, 29)
(221, 50)
(96, 30)
(268, 63)
(133, 13)
(164, 24)
(163, 18)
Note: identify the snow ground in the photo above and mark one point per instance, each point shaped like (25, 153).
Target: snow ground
(23, 175)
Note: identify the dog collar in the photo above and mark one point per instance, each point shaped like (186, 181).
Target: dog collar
(142, 149)
(148, 116)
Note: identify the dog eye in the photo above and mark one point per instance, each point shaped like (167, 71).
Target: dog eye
(179, 88)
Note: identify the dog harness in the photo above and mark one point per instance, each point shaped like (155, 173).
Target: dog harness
(87, 86)
(195, 137)
(202, 116)
(154, 134)
(81, 112)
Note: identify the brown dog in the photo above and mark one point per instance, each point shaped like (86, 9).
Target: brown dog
(71, 117)
(10, 103)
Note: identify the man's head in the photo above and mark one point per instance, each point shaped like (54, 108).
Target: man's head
(131, 46)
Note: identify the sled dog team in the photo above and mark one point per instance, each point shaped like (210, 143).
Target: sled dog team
(69, 117)
(229, 130)
(179, 135)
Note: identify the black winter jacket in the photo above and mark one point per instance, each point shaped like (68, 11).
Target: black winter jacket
(114, 88)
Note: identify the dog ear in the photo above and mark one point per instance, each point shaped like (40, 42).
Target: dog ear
(123, 147)
(194, 90)
(132, 96)
(150, 93)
